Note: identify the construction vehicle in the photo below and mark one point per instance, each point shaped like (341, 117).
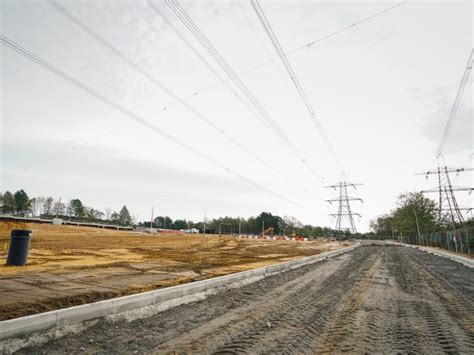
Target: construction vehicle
(268, 231)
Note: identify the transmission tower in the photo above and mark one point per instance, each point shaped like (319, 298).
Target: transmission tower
(344, 211)
(447, 203)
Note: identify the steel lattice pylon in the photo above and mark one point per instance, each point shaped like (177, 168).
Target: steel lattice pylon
(447, 203)
(344, 211)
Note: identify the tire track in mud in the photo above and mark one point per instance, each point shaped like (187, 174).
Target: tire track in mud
(260, 320)
(376, 299)
(447, 314)
(294, 323)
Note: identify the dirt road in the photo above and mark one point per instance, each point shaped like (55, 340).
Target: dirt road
(376, 299)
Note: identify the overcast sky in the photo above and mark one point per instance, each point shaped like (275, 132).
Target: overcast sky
(382, 91)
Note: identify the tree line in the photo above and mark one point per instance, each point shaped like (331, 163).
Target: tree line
(20, 204)
(414, 213)
(253, 225)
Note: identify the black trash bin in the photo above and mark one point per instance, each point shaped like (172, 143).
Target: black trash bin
(19, 246)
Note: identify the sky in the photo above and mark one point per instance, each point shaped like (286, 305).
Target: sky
(382, 91)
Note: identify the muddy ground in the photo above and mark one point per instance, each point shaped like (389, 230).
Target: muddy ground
(71, 265)
(376, 299)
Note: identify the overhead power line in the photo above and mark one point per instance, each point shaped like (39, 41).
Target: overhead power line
(344, 29)
(276, 44)
(218, 58)
(306, 46)
(61, 9)
(309, 45)
(457, 102)
(201, 58)
(262, 43)
(108, 101)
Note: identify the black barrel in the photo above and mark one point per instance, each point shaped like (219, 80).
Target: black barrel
(19, 246)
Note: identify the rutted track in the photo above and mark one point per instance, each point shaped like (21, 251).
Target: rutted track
(374, 299)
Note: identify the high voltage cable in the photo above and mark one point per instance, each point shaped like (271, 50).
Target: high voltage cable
(210, 67)
(214, 53)
(346, 28)
(456, 103)
(310, 44)
(197, 33)
(297, 49)
(147, 75)
(108, 101)
(262, 43)
(276, 44)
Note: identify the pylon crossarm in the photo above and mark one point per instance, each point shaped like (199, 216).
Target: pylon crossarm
(345, 198)
(345, 214)
(453, 189)
(347, 184)
(450, 170)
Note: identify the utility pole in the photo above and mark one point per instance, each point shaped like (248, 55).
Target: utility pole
(344, 211)
(446, 198)
(263, 227)
(417, 227)
(151, 220)
(240, 226)
(205, 222)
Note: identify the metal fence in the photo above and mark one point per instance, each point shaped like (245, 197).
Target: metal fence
(460, 241)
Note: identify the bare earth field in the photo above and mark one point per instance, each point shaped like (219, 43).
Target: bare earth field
(71, 265)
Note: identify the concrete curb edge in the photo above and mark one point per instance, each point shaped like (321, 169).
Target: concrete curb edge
(457, 258)
(18, 327)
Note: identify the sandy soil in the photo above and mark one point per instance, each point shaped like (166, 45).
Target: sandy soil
(71, 265)
(375, 299)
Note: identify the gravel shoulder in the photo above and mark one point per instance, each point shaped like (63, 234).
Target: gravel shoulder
(374, 299)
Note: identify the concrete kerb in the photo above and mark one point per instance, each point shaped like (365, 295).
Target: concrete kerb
(444, 254)
(34, 323)
(161, 299)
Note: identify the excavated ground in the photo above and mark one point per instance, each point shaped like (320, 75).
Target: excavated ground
(71, 265)
(376, 299)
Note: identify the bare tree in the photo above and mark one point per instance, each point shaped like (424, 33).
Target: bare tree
(292, 222)
(59, 208)
(108, 213)
(48, 205)
(37, 205)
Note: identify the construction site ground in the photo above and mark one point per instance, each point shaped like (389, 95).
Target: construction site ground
(71, 265)
(375, 299)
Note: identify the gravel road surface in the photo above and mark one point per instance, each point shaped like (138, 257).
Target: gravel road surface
(377, 299)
